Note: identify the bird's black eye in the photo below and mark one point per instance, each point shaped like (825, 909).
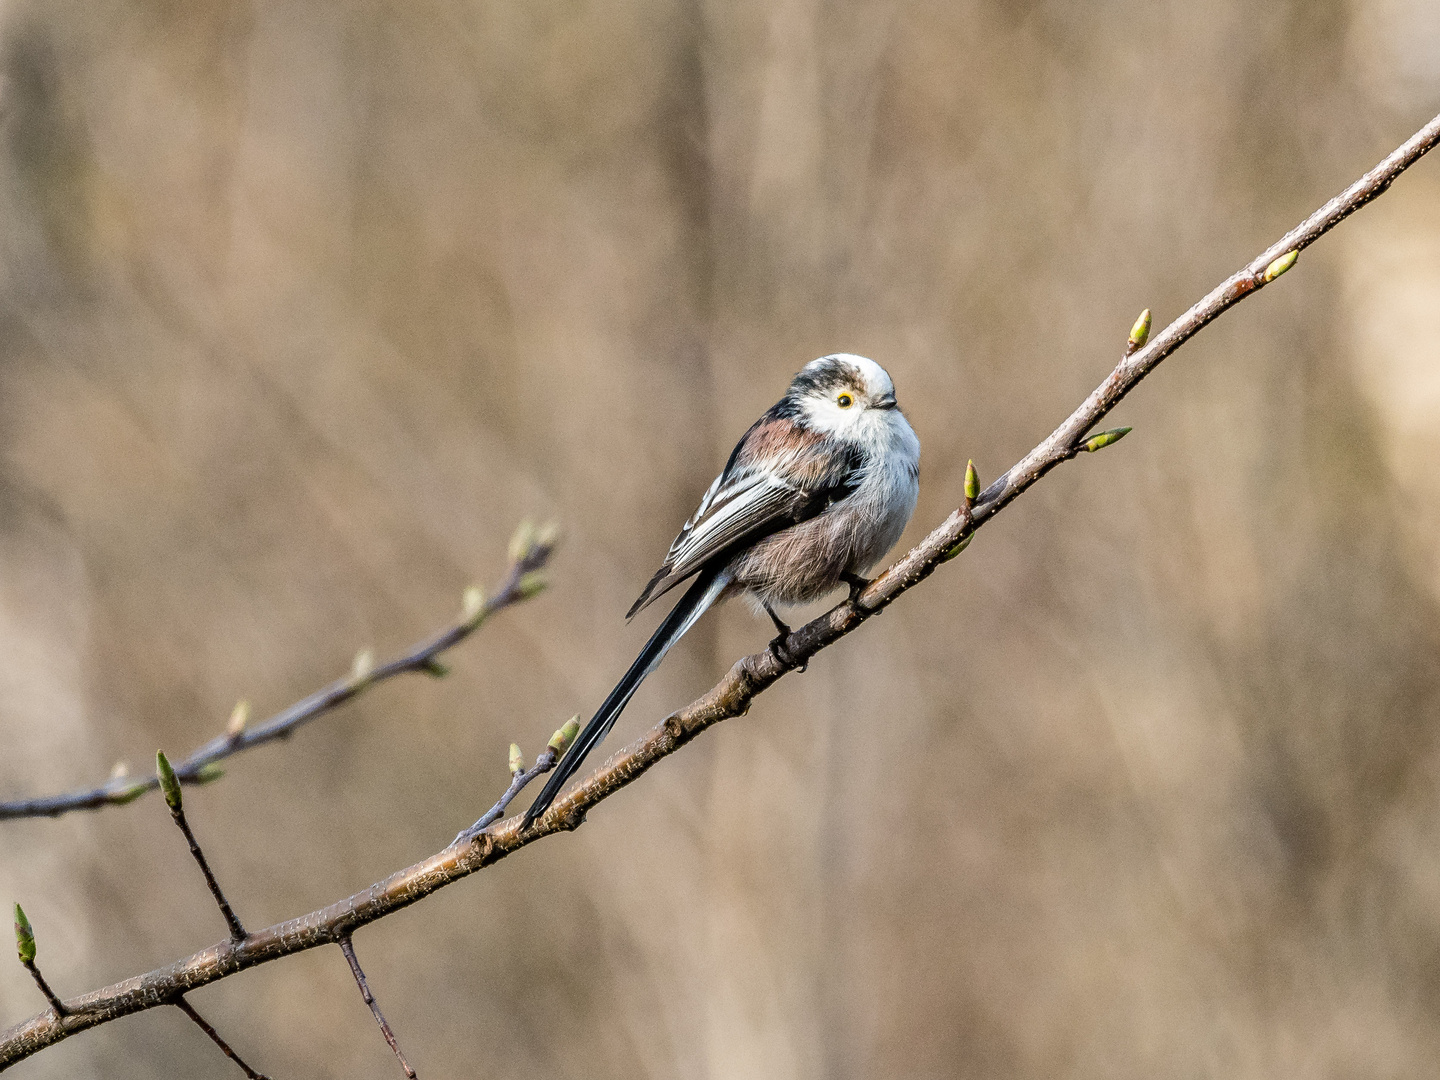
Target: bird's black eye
(845, 401)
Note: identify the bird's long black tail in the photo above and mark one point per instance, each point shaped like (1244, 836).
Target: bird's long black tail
(697, 600)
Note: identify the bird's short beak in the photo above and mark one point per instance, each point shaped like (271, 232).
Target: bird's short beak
(886, 402)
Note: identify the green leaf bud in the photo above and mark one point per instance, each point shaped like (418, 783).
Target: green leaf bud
(1104, 439)
(472, 606)
(531, 584)
(239, 717)
(209, 773)
(561, 740)
(24, 937)
(522, 541)
(1280, 265)
(169, 782)
(950, 553)
(1140, 332)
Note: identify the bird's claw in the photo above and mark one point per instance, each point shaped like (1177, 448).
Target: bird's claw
(782, 654)
(857, 585)
(777, 647)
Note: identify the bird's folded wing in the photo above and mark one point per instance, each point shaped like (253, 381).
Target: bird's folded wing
(743, 505)
(746, 505)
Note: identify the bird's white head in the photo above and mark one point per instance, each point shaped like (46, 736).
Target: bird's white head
(845, 395)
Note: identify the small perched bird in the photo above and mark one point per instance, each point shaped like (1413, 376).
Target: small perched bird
(818, 489)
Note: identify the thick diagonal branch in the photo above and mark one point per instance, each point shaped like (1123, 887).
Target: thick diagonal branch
(730, 697)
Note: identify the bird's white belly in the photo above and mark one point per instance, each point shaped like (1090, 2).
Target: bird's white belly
(805, 561)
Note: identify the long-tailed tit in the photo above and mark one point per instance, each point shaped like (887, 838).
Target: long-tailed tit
(817, 490)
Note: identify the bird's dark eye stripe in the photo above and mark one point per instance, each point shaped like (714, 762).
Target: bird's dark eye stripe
(824, 379)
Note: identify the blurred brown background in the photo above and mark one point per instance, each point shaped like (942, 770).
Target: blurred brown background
(303, 306)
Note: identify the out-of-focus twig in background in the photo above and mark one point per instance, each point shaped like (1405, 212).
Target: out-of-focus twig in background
(523, 581)
(303, 306)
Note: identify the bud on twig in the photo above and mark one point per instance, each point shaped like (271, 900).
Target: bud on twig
(1104, 439)
(972, 483)
(435, 668)
(1280, 265)
(531, 584)
(208, 773)
(472, 606)
(239, 717)
(517, 761)
(130, 794)
(522, 541)
(548, 535)
(1139, 333)
(24, 937)
(950, 553)
(561, 740)
(363, 666)
(169, 783)
(25, 948)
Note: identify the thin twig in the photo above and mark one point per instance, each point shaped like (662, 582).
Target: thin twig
(55, 1002)
(237, 932)
(424, 657)
(730, 697)
(349, 950)
(26, 950)
(189, 1010)
(543, 764)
